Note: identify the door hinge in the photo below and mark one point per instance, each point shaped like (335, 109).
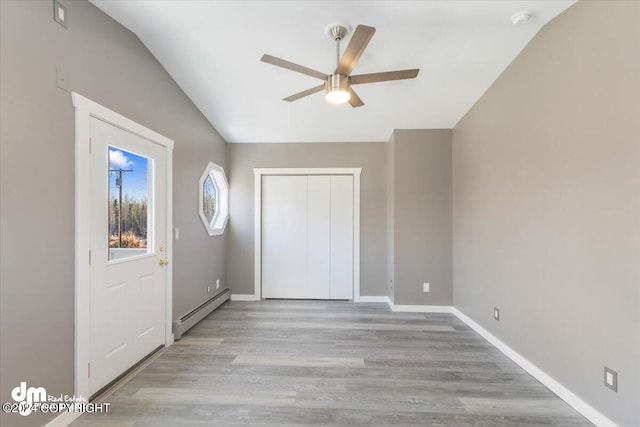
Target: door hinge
(89, 144)
(88, 370)
(89, 257)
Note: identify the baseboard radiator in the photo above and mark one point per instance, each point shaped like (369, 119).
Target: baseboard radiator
(190, 319)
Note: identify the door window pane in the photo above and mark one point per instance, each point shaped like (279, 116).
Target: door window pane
(128, 204)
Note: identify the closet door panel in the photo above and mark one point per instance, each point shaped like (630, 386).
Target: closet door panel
(341, 237)
(284, 237)
(319, 237)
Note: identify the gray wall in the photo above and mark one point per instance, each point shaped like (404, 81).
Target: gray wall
(373, 215)
(422, 230)
(390, 218)
(106, 63)
(546, 173)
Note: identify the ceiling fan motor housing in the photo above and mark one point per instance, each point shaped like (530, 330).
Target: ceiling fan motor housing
(337, 88)
(338, 82)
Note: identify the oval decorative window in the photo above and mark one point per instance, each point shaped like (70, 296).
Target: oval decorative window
(214, 199)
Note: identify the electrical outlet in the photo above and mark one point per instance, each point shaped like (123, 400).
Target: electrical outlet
(425, 287)
(496, 313)
(611, 379)
(217, 283)
(390, 284)
(208, 289)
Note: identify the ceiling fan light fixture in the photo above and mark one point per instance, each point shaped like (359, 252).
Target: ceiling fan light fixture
(337, 86)
(337, 96)
(338, 89)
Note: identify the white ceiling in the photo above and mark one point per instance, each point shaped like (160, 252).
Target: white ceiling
(212, 49)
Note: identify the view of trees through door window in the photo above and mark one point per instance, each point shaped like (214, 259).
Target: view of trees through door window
(128, 203)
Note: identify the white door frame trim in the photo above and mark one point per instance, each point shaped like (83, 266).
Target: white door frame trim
(258, 174)
(84, 110)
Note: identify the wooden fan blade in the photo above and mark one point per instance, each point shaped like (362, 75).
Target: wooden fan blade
(359, 41)
(355, 100)
(383, 77)
(304, 93)
(293, 67)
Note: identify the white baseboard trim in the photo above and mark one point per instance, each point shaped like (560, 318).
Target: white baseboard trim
(244, 297)
(64, 419)
(420, 308)
(561, 391)
(361, 298)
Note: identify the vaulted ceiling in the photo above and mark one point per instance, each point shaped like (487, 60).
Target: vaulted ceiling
(213, 48)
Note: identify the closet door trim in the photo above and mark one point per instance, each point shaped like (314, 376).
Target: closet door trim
(259, 173)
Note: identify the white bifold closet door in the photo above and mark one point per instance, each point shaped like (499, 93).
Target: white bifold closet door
(307, 237)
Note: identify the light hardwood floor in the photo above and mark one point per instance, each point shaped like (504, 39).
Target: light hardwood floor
(275, 363)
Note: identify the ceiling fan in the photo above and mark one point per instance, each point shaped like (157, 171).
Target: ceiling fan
(338, 84)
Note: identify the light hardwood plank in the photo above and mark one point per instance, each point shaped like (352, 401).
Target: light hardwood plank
(309, 361)
(332, 363)
(213, 396)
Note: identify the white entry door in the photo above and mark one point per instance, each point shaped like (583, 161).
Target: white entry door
(128, 239)
(307, 236)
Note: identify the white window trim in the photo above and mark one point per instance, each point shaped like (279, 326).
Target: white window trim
(84, 110)
(219, 222)
(259, 173)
